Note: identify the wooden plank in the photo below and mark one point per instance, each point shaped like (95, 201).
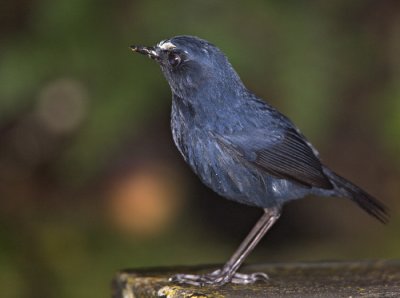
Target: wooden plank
(320, 279)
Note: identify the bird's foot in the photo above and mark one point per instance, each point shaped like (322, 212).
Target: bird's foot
(219, 278)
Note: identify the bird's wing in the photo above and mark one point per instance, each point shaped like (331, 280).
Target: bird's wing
(283, 153)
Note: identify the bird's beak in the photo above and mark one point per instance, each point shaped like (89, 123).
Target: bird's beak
(149, 51)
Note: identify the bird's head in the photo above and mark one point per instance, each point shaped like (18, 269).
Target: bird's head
(191, 64)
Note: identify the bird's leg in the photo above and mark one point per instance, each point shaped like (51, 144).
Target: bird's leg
(269, 217)
(228, 272)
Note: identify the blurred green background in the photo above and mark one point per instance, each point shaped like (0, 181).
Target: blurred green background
(90, 181)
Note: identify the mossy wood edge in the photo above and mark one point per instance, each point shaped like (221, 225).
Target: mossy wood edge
(316, 279)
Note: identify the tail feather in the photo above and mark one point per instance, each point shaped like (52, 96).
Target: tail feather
(367, 202)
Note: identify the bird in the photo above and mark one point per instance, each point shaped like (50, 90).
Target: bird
(241, 147)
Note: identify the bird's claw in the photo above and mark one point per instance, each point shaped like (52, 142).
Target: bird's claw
(218, 278)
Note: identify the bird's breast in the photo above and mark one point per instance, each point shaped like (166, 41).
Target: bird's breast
(223, 171)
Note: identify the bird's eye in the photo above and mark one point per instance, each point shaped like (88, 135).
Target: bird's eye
(174, 59)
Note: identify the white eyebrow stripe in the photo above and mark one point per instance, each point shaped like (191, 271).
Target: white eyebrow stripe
(166, 45)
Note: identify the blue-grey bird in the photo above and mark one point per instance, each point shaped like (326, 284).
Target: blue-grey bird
(240, 146)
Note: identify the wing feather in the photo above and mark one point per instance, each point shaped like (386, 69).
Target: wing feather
(284, 154)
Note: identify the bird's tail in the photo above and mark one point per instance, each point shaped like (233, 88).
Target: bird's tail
(367, 202)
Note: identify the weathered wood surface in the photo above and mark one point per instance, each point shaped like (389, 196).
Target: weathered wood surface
(322, 279)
